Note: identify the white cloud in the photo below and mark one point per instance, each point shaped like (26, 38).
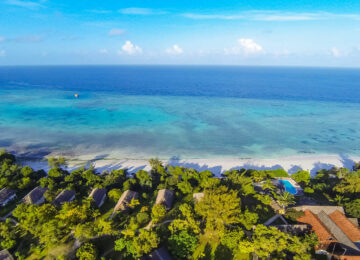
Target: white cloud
(212, 16)
(2, 39)
(140, 11)
(25, 4)
(130, 48)
(335, 52)
(245, 47)
(174, 50)
(116, 31)
(103, 51)
(2, 53)
(272, 16)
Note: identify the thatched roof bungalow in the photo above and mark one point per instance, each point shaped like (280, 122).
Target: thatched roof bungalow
(5, 255)
(125, 200)
(36, 196)
(64, 196)
(99, 196)
(6, 195)
(158, 254)
(165, 197)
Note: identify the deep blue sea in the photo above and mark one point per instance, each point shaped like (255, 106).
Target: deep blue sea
(180, 111)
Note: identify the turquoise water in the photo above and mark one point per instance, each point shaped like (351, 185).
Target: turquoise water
(141, 114)
(288, 187)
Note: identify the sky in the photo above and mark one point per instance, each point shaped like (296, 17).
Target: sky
(228, 32)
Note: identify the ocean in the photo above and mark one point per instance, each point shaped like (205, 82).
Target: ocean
(180, 112)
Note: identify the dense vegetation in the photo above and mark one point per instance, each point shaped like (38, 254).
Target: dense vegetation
(226, 223)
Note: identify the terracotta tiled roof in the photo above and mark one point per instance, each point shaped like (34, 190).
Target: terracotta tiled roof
(319, 228)
(346, 225)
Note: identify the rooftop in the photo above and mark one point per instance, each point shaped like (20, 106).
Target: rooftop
(125, 199)
(98, 195)
(165, 197)
(64, 196)
(35, 195)
(5, 194)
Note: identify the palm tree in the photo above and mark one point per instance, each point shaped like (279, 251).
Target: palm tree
(268, 185)
(286, 199)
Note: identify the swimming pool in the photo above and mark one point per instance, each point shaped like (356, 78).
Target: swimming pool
(288, 186)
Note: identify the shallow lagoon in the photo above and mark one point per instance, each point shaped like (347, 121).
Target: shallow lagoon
(38, 116)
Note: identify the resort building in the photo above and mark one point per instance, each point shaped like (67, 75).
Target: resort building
(6, 195)
(158, 254)
(165, 197)
(338, 235)
(125, 200)
(36, 196)
(99, 196)
(5, 255)
(64, 196)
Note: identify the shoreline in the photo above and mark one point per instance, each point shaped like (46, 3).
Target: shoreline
(291, 164)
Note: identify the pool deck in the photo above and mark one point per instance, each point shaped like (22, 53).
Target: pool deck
(299, 190)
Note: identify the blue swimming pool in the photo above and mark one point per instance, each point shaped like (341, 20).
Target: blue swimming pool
(288, 186)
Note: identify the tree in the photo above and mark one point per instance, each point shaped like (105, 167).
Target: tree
(155, 163)
(87, 251)
(142, 218)
(349, 184)
(145, 179)
(286, 199)
(115, 194)
(54, 162)
(302, 177)
(353, 208)
(248, 219)
(182, 245)
(158, 212)
(219, 206)
(145, 242)
(8, 234)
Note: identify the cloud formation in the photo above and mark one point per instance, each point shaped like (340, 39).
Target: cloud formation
(271, 15)
(2, 53)
(2, 39)
(131, 49)
(25, 4)
(335, 52)
(245, 47)
(174, 50)
(140, 11)
(116, 31)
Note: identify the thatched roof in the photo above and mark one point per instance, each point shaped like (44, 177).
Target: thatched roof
(125, 199)
(165, 197)
(158, 254)
(64, 196)
(5, 194)
(98, 195)
(5, 255)
(35, 195)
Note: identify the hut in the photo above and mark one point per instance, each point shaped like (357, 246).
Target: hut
(99, 196)
(158, 254)
(125, 200)
(5, 255)
(6, 195)
(165, 197)
(64, 196)
(36, 196)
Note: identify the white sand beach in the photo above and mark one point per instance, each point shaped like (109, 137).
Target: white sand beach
(291, 164)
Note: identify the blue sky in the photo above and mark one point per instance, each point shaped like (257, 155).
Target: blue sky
(258, 32)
